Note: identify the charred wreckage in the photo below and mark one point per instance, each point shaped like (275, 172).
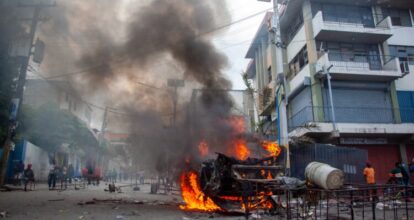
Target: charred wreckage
(229, 185)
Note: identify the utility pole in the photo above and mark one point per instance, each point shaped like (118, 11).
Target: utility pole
(102, 136)
(20, 90)
(277, 61)
(175, 83)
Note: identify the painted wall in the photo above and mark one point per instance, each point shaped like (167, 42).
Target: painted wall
(406, 83)
(39, 160)
(402, 36)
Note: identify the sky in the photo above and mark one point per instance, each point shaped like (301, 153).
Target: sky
(235, 42)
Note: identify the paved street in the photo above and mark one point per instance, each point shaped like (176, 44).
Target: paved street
(45, 204)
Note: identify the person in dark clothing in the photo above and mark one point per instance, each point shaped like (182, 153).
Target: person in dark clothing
(396, 176)
(90, 168)
(405, 173)
(28, 176)
(71, 173)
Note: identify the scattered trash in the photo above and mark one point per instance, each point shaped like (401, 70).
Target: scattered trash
(55, 200)
(380, 206)
(120, 217)
(138, 202)
(3, 214)
(134, 213)
(81, 217)
(256, 216)
(115, 207)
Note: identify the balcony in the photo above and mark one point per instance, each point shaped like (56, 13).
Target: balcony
(363, 115)
(350, 29)
(353, 122)
(361, 67)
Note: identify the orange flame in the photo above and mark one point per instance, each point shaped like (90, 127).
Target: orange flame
(272, 147)
(241, 150)
(260, 201)
(203, 148)
(193, 196)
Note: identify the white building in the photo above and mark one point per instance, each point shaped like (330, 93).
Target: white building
(369, 46)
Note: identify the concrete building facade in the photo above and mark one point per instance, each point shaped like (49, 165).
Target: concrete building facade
(368, 48)
(39, 92)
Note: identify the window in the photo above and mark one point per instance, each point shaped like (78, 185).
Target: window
(399, 17)
(404, 53)
(344, 14)
(294, 28)
(362, 55)
(299, 61)
(269, 74)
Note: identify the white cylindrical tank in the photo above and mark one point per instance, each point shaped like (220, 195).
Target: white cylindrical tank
(324, 175)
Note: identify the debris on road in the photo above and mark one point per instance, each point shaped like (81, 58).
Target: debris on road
(3, 214)
(56, 200)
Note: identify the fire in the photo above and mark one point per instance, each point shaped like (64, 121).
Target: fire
(253, 202)
(272, 147)
(193, 196)
(203, 148)
(238, 125)
(241, 150)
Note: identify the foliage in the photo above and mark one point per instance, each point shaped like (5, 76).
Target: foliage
(49, 127)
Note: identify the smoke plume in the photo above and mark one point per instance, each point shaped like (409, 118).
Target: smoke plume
(128, 51)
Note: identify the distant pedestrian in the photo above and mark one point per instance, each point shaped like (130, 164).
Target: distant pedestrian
(64, 177)
(411, 170)
(405, 173)
(71, 173)
(28, 176)
(369, 174)
(52, 176)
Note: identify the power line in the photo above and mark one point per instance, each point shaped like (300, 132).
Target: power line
(110, 109)
(87, 70)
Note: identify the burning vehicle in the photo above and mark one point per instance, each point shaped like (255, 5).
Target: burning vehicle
(228, 184)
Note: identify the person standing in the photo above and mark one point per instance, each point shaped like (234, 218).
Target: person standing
(396, 175)
(405, 173)
(369, 174)
(71, 173)
(52, 176)
(28, 176)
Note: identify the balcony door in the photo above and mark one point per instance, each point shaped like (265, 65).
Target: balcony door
(374, 60)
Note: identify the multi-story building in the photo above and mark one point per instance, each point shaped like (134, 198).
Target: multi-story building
(39, 92)
(360, 53)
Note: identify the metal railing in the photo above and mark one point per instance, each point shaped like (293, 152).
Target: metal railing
(360, 62)
(352, 20)
(346, 115)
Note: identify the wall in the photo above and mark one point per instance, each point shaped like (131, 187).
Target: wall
(382, 164)
(402, 36)
(406, 83)
(359, 105)
(297, 43)
(39, 160)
